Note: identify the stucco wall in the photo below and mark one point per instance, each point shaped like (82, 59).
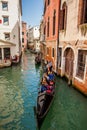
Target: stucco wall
(14, 23)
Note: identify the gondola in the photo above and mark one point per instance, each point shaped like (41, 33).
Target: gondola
(37, 60)
(44, 101)
(6, 63)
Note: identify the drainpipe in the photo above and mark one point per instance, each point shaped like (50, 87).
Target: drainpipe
(59, 5)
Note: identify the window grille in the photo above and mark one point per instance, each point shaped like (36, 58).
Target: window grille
(81, 63)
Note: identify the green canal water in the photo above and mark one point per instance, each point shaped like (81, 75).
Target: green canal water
(18, 93)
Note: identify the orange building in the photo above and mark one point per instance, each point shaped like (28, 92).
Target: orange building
(50, 30)
(24, 35)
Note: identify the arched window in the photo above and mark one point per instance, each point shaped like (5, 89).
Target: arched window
(63, 17)
(82, 13)
(54, 22)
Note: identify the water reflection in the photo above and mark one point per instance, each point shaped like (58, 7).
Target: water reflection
(11, 103)
(18, 92)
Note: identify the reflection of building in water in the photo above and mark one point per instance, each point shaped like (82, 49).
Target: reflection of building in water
(24, 62)
(11, 104)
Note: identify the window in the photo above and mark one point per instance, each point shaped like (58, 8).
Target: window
(81, 63)
(54, 21)
(48, 23)
(82, 16)
(44, 32)
(59, 57)
(7, 36)
(47, 51)
(45, 8)
(52, 52)
(22, 40)
(22, 33)
(7, 53)
(48, 2)
(4, 6)
(63, 17)
(5, 20)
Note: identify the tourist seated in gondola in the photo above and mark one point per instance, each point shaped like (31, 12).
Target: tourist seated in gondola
(44, 84)
(46, 76)
(51, 83)
(51, 74)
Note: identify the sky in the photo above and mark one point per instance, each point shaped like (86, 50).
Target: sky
(32, 11)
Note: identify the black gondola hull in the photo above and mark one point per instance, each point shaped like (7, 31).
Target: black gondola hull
(43, 107)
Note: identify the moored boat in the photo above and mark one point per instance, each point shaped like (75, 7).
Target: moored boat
(44, 101)
(6, 63)
(38, 59)
(15, 60)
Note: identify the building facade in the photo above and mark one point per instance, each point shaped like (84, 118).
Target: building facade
(72, 57)
(42, 39)
(33, 38)
(24, 36)
(50, 34)
(10, 28)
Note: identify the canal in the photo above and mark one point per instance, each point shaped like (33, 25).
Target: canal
(18, 92)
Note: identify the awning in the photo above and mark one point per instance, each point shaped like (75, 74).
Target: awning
(6, 43)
